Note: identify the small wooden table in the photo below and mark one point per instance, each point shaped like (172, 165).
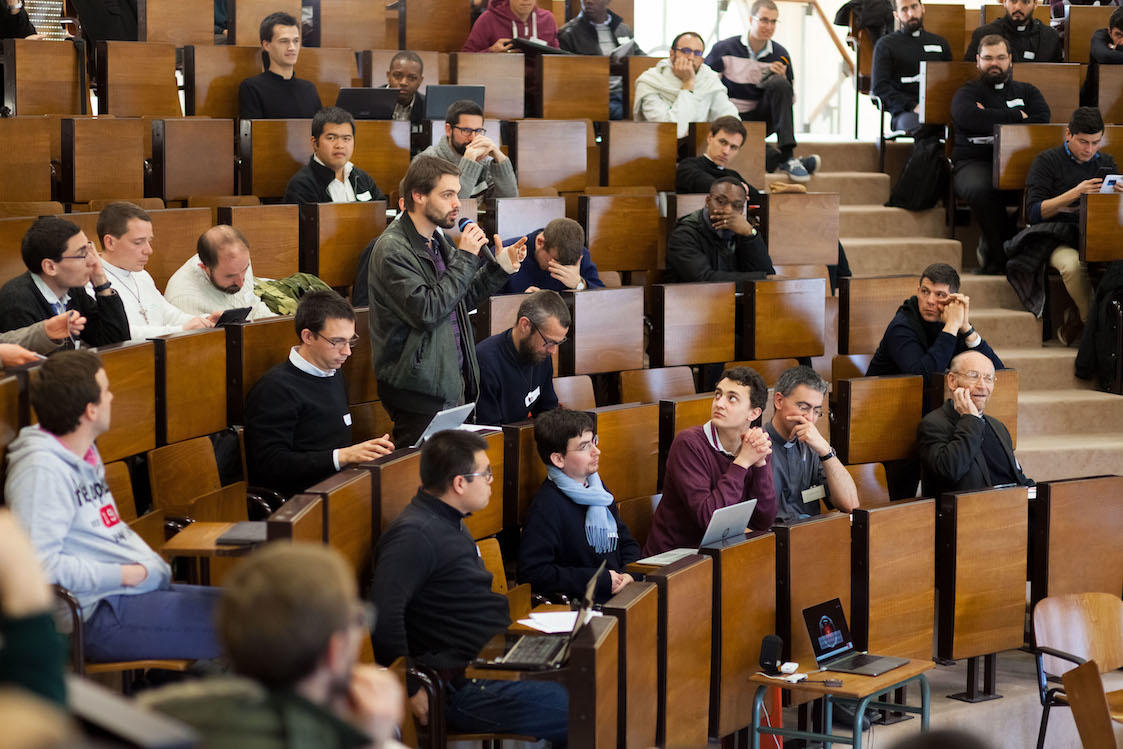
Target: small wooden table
(857, 689)
(199, 540)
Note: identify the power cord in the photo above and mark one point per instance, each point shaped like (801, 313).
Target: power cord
(768, 718)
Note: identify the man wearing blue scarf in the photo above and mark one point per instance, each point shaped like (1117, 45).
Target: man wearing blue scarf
(573, 524)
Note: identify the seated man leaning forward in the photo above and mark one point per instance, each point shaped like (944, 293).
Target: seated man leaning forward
(805, 468)
(696, 174)
(561, 261)
(218, 276)
(573, 524)
(329, 176)
(56, 488)
(960, 446)
(435, 602)
(721, 463)
(485, 171)
(929, 329)
(717, 242)
(517, 367)
(298, 422)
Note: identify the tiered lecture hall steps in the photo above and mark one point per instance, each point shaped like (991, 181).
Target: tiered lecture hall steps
(1065, 427)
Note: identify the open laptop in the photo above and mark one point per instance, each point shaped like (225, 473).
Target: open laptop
(368, 103)
(834, 648)
(726, 523)
(450, 418)
(542, 652)
(438, 98)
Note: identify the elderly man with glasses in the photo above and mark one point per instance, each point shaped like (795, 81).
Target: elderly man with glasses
(298, 421)
(961, 447)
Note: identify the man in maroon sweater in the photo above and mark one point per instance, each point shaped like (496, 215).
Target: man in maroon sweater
(721, 463)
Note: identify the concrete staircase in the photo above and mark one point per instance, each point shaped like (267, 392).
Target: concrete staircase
(1066, 428)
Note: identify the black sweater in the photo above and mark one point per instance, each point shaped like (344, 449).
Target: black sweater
(1033, 41)
(432, 590)
(896, 67)
(696, 173)
(507, 382)
(554, 555)
(1002, 106)
(696, 253)
(911, 345)
(21, 305)
(310, 184)
(18, 26)
(1099, 54)
(579, 35)
(1055, 171)
(268, 96)
(294, 420)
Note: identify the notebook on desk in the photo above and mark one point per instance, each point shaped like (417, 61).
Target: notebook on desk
(834, 648)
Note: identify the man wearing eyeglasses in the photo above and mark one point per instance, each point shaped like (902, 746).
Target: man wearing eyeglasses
(516, 366)
(485, 171)
(298, 422)
(61, 262)
(960, 446)
(329, 176)
(805, 468)
(718, 242)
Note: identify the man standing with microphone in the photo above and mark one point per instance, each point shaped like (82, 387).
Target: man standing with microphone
(421, 289)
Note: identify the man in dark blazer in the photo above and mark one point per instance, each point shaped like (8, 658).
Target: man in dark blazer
(60, 262)
(961, 447)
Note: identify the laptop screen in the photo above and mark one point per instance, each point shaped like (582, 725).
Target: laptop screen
(826, 626)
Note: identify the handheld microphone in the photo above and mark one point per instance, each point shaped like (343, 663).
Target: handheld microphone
(485, 250)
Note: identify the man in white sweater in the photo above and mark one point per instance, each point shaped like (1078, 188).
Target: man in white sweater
(218, 276)
(681, 88)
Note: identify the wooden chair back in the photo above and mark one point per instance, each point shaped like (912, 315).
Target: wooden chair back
(25, 173)
(493, 560)
(606, 333)
(575, 392)
(872, 484)
(370, 420)
(1087, 625)
(354, 24)
(180, 472)
(252, 349)
(651, 385)
(629, 445)
(137, 79)
(131, 368)
(243, 18)
(30, 208)
(677, 413)
(301, 518)
(13, 416)
(865, 308)
(639, 153)
(516, 217)
(693, 323)
(552, 153)
(1111, 93)
(876, 417)
(175, 235)
(1015, 147)
(782, 318)
(273, 233)
(637, 514)
(1082, 22)
(1058, 82)
(571, 87)
(504, 76)
(333, 236)
(621, 231)
(950, 22)
(358, 370)
(1100, 220)
(44, 78)
(214, 201)
(192, 156)
(213, 73)
(271, 152)
(190, 384)
(749, 161)
(394, 480)
(175, 22)
(1084, 691)
(443, 32)
(349, 515)
(635, 66)
(489, 521)
(991, 12)
(382, 150)
(769, 369)
(792, 238)
(101, 158)
(523, 470)
(11, 233)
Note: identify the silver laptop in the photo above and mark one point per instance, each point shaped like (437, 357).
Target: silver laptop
(834, 648)
(450, 418)
(727, 523)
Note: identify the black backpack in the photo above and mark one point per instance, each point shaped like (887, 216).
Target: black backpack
(924, 179)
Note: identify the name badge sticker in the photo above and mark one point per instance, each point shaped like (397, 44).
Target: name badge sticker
(532, 396)
(814, 493)
(364, 196)
(1029, 55)
(933, 48)
(347, 419)
(1011, 103)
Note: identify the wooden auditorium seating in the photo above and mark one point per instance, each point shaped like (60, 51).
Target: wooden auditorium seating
(651, 385)
(131, 368)
(782, 318)
(190, 384)
(554, 152)
(676, 413)
(25, 208)
(748, 162)
(25, 172)
(273, 232)
(629, 445)
(636, 610)
(1015, 147)
(11, 233)
(1111, 93)
(637, 513)
(1059, 83)
(381, 150)
(1092, 710)
(865, 308)
(299, 519)
(178, 23)
(496, 314)
(875, 418)
(575, 392)
(253, 347)
(993, 11)
(333, 235)
(244, 18)
(102, 158)
(634, 67)
(192, 156)
(950, 22)
(503, 75)
(373, 64)
(621, 231)
(349, 519)
(792, 239)
(769, 369)
(871, 483)
(151, 525)
(215, 201)
(212, 74)
(606, 333)
(1082, 22)
(638, 153)
(351, 23)
(570, 87)
(1003, 403)
(185, 483)
(515, 217)
(175, 236)
(44, 78)
(137, 79)
(693, 323)
(424, 29)
(270, 153)
(1101, 219)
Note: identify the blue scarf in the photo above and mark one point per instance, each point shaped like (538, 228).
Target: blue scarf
(600, 526)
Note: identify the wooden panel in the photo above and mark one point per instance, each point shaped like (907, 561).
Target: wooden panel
(938, 83)
(42, 78)
(593, 707)
(347, 507)
(382, 151)
(11, 234)
(893, 564)
(812, 566)
(524, 471)
(137, 78)
(872, 485)
(771, 369)
(190, 384)
(635, 65)
(25, 171)
(426, 28)
(176, 22)
(622, 231)
(749, 161)
(675, 415)
(792, 238)
(395, 480)
(375, 63)
(330, 69)
(212, 74)
(607, 331)
(301, 518)
(333, 236)
(354, 24)
(193, 157)
(629, 445)
(649, 385)
(1111, 93)
(489, 521)
(358, 371)
(102, 158)
(636, 609)
(175, 236)
(181, 472)
(26, 208)
(865, 308)
(982, 561)
(948, 21)
(244, 17)
(273, 234)
(504, 76)
(131, 368)
(11, 420)
(553, 153)
(744, 612)
(1082, 22)
(693, 323)
(1058, 82)
(573, 87)
(991, 12)
(639, 153)
(575, 392)
(1101, 216)
(272, 151)
(515, 217)
(251, 349)
(783, 318)
(370, 420)
(877, 418)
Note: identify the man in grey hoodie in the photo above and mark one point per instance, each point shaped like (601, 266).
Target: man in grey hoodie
(57, 491)
(485, 171)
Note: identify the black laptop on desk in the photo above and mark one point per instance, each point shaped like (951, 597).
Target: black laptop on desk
(834, 648)
(368, 103)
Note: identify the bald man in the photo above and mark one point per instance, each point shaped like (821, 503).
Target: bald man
(962, 447)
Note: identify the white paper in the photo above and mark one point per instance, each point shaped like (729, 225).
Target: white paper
(479, 428)
(554, 622)
(667, 557)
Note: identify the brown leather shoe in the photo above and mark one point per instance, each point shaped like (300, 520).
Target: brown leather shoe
(1072, 329)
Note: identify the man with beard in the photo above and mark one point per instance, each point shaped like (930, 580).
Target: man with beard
(516, 367)
(485, 171)
(994, 98)
(421, 289)
(1030, 40)
(896, 65)
(218, 277)
(406, 73)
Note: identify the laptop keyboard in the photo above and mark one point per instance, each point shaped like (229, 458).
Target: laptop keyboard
(534, 651)
(855, 661)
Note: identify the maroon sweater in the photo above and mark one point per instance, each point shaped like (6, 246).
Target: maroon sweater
(699, 480)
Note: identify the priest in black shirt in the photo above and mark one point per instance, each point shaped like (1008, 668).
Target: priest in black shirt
(276, 93)
(696, 173)
(298, 421)
(1030, 40)
(896, 65)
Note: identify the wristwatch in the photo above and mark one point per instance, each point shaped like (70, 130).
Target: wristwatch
(102, 287)
(581, 285)
(828, 456)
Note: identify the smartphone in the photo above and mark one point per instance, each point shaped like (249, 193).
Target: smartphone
(230, 316)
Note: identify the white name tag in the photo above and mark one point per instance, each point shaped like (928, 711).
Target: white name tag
(1011, 103)
(347, 419)
(910, 79)
(532, 396)
(1029, 55)
(933, 48)
(363, 196)
(814, 494)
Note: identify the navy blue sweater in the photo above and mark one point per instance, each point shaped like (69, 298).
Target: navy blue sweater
(912, 345)
(529, 274)
(510, 389)
(734, 47)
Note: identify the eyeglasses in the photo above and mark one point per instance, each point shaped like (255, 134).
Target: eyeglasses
(548, 341)
(973, 376)
(339, 343)
(766, 21)
(722, 202)
(83, 253)
(688, 51)
(470, 130)
(485, 473)
(587, 445)
(806, 408)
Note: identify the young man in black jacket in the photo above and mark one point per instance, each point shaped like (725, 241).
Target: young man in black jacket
(1030, 40)
(406, 73)
(896, 65)
(329, 176)
(994, 98)
(1106, 49)
(598, 31)
(717, 242)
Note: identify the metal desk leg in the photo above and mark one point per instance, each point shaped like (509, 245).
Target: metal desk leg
(924, 703)
(828, 718)
(758, 699)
